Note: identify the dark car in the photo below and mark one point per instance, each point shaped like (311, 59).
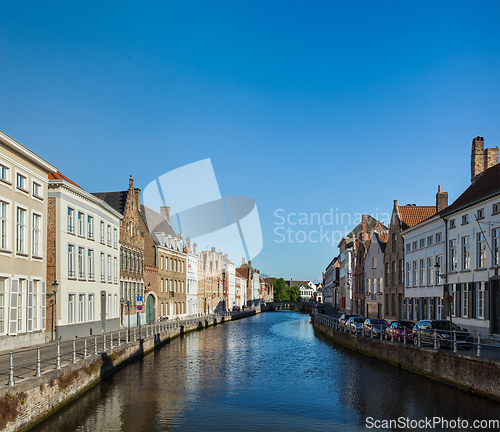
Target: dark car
(321, 309)
(439, 331)
(355, 324)
(375, 325)
(343, 319)
(397, 329)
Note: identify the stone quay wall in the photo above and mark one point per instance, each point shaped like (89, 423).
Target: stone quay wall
(475, 374)
(32, 400)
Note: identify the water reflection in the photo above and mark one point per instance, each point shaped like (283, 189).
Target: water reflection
(268, 372)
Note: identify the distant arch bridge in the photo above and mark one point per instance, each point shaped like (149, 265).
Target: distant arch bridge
(301, 306)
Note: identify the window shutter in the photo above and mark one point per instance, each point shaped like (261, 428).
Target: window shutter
(487, 289)
(472, 300)
(457, 298)
(30, 305)
(13, 307)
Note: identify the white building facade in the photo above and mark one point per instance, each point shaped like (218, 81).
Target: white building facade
(86, 233)
(191, 283)
(424, 246)
(23, 244)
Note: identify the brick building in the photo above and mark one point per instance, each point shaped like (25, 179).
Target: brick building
(127, 203)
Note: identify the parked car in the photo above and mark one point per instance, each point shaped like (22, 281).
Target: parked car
(355, 324)
(343, 319)
(397, 329)
(321, 309)
(440, 330)
(377, 325)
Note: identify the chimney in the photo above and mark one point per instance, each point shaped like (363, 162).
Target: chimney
(242, 261)
(490, 157)
(213, 249)
(249, 263)
(165, 211)
(131, 181)
(477, 158)
(179, 236)
(195, 248)
(441, 200)
(137, 197)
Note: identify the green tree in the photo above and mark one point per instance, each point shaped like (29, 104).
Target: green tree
(294, 293)
(280, 290)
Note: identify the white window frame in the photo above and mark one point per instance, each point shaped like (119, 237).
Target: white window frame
(81, 224)
(71, 261)
(429, 271)
(5, 173)
(109, 268)
(21, 182)
(465, 253)
(115, 238)
(71, 220)
(71, 308)
(453, 255)
(90, 227)
(465, 300)
(91, 264)
(36, 235)
(481, 301)
(103, 267)
(108, 231)
(115, 269)
(495, 234)
(36, 190)
(91, 300)
(481, 250)
(4, 225)
(81, 262)
(4, 315)
(101, 232)
(21, 229)
(81, 307)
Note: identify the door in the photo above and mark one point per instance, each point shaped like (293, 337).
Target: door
(496, 311)
(150, 310)
(103, 310)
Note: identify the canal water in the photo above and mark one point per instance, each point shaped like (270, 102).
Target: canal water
(270, 372)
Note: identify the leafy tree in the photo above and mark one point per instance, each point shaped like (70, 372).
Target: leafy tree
(294, 293)
(280, 290)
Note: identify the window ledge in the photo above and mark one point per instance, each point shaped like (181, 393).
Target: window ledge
(452, 272)
(26, 191)
(39, 198)
(464, 271)
(5, 251)
(37, 257)
(21, 254)
(481, 269)
(6, 182)
(72, 278)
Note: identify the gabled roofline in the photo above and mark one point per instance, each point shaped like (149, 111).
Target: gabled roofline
(30, 156)
(444, 213)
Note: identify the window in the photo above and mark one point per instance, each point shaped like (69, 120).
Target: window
(415, 274)
(115, 238)
(71, 220)
(81, 307)
(394, 242)
(422, 243)
(90, 227)
(422, 272)
(4, 226)
(465, 253)
(437, 277)
(480, 214)
(131, 229)
(414, 245)
(452, 223)
(20, 308)
(36, 236)
(453, 255)
(429, 271)
(71, 308)
(115, 269)
(91, 307)
(465, 300)
(81, 222)
(37, 190)
(496, 208)
(454, 302)
(481, 295)
(374, 262)
(465, 219)
(103, 268)
(109, 306)
(115, 305)
(109, 268)
(439, 311)
(109, 235)
(20, 230)
(102, 232)
(408, 274)
(21, 182)
(408, 247)
(161, 263)
(161, 285)
(3, 315)
(71, 261)
(429, 240)
(90, 259)
(438, 237)
(481, 250)
(400, 272)
(496, 246)
(81, 262)
(4, 173)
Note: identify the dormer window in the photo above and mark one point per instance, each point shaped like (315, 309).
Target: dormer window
(480, 214)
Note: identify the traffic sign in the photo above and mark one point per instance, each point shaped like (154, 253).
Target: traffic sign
(139, 298)
(139, 307)
(449, 299)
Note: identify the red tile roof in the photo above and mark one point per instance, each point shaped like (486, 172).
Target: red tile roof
(412, 215)
(59, 176)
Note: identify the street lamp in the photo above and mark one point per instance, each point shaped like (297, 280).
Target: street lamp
(52, 302)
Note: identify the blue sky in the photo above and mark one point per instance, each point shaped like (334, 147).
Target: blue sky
(302, 106)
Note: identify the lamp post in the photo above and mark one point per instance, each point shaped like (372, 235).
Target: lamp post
(52, 303)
